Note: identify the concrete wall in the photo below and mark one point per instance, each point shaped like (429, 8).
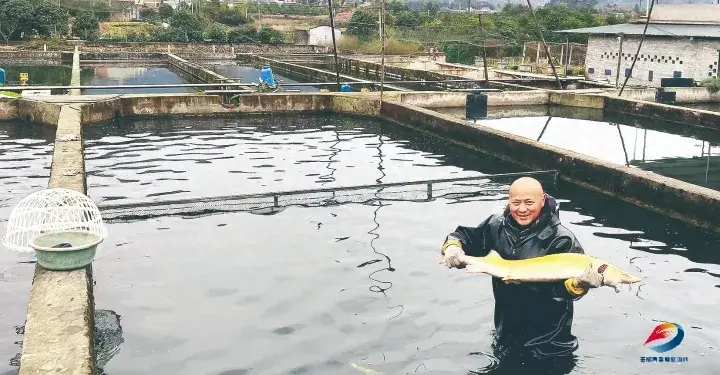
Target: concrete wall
(437, 56)
(37, 111)
(284, 103)
(122, 56)
(372, 70)
(429, 71)
(8, 109)
(166, 105)
(515, 98)
(634, 94)
(505, 86)
(59, 329)
(177, 48)
(312, 74)
(205, 56)
(576, 100)
(434, 99)
(161, 105)
(355, 105)
(196, 71)
(683, 201)
(684, 116)
(100, 111)
(693, 95)
(682, 94)
(696, 59)
(19, 57)
(457, 99)
(204, 105)
(580, 113)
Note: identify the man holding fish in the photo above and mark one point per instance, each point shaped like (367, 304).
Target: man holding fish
(533, 296)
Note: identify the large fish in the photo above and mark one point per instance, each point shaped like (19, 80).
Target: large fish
(548, 268)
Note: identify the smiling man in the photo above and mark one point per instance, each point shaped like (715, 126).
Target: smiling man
(532, 320)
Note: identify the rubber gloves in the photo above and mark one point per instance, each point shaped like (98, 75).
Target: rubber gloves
(590, 278)
(452, 254)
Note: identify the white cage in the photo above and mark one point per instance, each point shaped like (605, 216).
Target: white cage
(50, 211)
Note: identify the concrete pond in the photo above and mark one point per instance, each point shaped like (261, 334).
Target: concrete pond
(190, 283)
(57, 75)
(108, 74)
(335, 284)
(364, 275)
(246, 74)
(691, 155)
(101, 74)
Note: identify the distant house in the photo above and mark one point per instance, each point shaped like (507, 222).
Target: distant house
(149, 3)
(125, 10)
(485, 8)
(322, 36)
(232, 3)
(682, 41)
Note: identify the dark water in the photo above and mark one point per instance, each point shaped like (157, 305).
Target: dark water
(98, 75)
(312, 290)
(25, 159)
(179, 159)
(670, 149)
(247, 74)
(58, 75)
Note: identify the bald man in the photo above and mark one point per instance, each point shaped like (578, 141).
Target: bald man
(534, 317)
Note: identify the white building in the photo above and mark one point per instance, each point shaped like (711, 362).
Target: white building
(682, 41)
(149, 3)
(322, 36)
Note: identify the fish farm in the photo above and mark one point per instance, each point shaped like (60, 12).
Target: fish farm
(283, 213)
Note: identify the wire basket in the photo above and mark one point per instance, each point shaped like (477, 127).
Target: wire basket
(51, 211)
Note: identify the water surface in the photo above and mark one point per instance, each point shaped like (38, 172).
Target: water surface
(311, 290)
(25, 159)
(247, 74)
(160, 159)
(53, 75)
(102, 75)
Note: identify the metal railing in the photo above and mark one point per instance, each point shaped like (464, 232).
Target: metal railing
(232, 84)
(425, 190)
